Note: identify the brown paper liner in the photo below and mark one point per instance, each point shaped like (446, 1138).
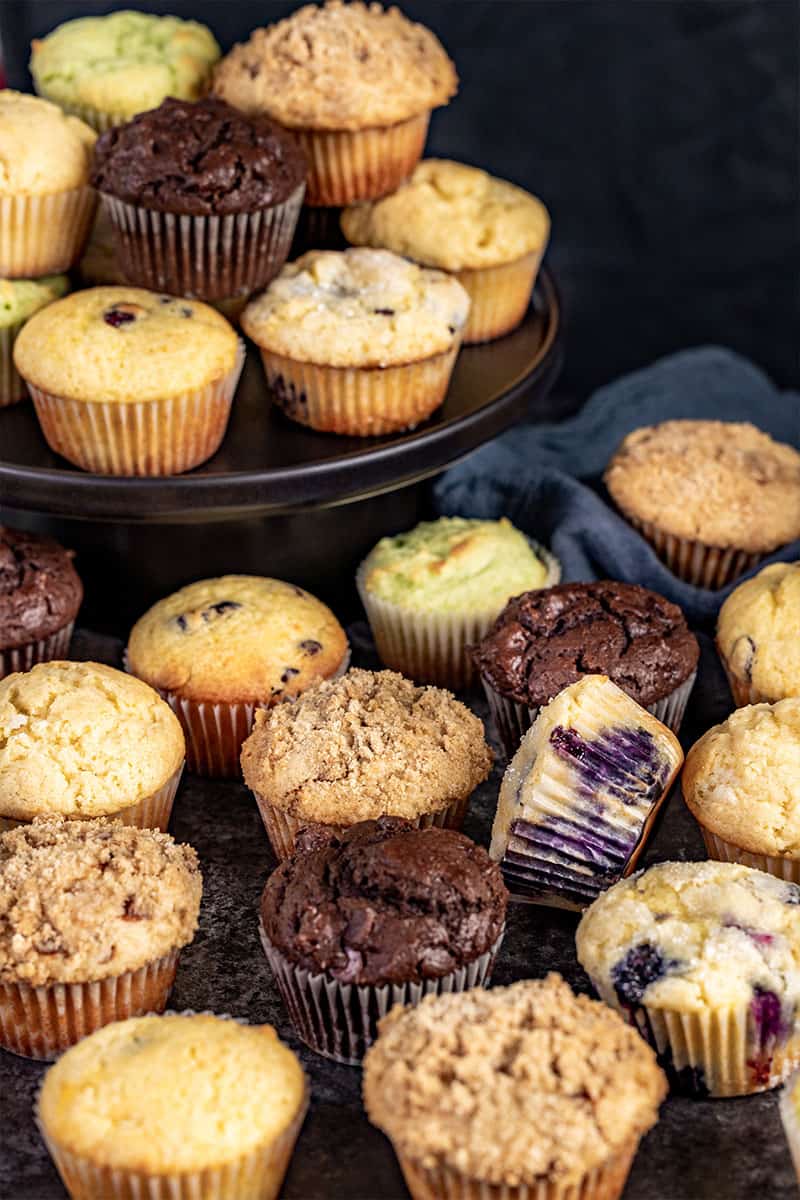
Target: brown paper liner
(345, 166)
(150, 437)
(722, 851)
(44, 235)
(22, 658)
(711, 567)
(791, 1124)
(360, 401)
(499, 296)
(42, 1022)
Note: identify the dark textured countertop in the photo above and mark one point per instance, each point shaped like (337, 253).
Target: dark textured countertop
(700, 1150)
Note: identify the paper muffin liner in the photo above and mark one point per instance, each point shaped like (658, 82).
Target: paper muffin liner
(147, 437)
(499, 296)
(512, 720)
(340, 1020)
(22, 658)
(42, 1022)
(345, 166)
(605, 1182)
(97, 118)
(44, 235)
(431, 647)
(722, 851)
(210, 257)
(282, 829)
(711, 567)
(361, 401)
(12, 385)
(791, 1123)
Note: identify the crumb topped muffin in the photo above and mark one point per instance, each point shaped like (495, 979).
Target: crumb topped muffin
(757, 635)
(40, 594)
(523, 1088)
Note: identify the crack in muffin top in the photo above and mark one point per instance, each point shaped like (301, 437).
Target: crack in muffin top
(40, 591)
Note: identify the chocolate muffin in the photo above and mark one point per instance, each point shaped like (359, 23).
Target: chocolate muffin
(384, 913)
(209, 162)
(40, 594)
(545, 640)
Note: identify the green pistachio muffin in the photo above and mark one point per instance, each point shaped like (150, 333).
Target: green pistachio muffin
(19, 300)
(107, 69)
(432, 591)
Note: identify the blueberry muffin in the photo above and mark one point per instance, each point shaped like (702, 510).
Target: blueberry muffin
(40, 594)
(382, 914)
(219, 649)
(19, 300)
(704, 958)
(757, 635)
(517, 1092)
(130, 382)
(355, 82)
(368, 745)
(93, 917)
(358, 341)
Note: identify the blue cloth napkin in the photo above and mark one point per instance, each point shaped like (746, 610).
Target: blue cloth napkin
(547, 478)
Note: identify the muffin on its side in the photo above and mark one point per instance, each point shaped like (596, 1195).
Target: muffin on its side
(19, 300)
(520, 1091)
(712, 497)
(741, 783)
(704, 958)
(179, 1106)
(358, 341)
(221, 648)
(368, 745)
(489, 233)
(130, 382)
(355, 82)
(92, 920)
(407, 913)
(40, 594)
(757, 636)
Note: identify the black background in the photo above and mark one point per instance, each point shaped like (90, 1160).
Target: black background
(663, 135)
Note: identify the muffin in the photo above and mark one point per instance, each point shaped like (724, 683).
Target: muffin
(93, 917)
(368, 745)
(741, 785)
(19, 300)
(358, 341)
(46, 204)
(579, 798)
(203, 201)
(704, 958)
(520, 1092)
(107, 69)
(432, 591)
(757, 636)
(790, 1115)
(83, 740)
(219, 649)
(129, 382)
(382, 914)
(543, 641)
(489, 233)
(711, 497)
(40, 594)
(180, 1106)
(355, 82)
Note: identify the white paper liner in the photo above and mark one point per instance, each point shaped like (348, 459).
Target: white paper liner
(42, 1022)
(499, 296)
(150, 437)
(345, 166)
(12, 385)
(340, 1020)
(44, 235)
(723, 851)
(704, 566)
(791, 1124)
(431, 647)
(22, 658)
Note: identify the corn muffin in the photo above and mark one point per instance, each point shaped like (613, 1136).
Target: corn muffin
(19, 300)
(757, 635)
(40, 594)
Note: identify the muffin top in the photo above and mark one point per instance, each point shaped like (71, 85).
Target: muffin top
(368, 745)
(203, 159)
(338, 66)
(693, 936)
(451, 216)
(543, 641)
(84, 900)
(237, 638)
(757, 631)
(82, 739)
(742, 779)
(41, 149)
(384, 903)
(717, 482)
(40, 591)
(455, 564)
(123, 63)
(125, 345)
(174, 1093)
(357, 308)
(21, 298)
(512, 1086)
